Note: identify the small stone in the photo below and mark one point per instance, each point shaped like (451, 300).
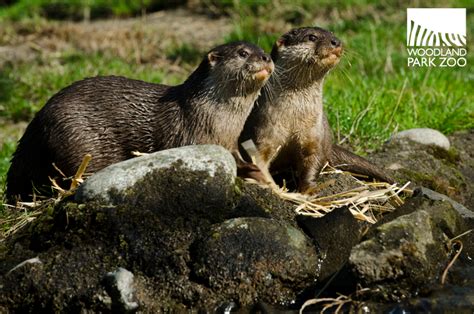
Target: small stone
(119, 286)
(424, 136)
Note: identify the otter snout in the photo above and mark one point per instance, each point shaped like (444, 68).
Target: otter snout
(264, 67)
(331, 51)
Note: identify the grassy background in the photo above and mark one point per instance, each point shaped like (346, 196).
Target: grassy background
(369, 96)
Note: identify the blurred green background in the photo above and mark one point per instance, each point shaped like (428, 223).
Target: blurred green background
(46, 45)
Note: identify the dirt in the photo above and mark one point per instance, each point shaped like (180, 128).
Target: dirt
(140, 39)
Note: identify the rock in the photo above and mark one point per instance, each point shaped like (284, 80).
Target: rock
(428, 166)
(250, 259)
(464, 143)
(465, 213)
(335, 235)
(119, 286)
(62, 282)
(408, 251)
(192, 177)
(79, 243)
(173, 232)
(406, 255)
(256, 201)
(423, 136)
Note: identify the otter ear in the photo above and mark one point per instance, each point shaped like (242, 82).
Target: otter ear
(212, 57)
(280, 42)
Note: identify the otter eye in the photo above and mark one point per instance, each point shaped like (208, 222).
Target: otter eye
(243, 53)
(312, 37)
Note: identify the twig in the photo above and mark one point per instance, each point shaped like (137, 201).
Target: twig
(451, 263)
(461, 235)
(77, 179)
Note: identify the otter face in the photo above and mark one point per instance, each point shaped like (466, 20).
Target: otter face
(242, 64)
(309, 45)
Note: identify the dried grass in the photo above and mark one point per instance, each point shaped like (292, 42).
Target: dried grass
(29, 211)
(16, 221)
(336, 305)
(364, 201)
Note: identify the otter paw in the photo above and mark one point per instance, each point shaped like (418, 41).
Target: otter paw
(252, 171)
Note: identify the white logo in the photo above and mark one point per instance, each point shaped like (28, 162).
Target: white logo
(436, 27)
(436, 37)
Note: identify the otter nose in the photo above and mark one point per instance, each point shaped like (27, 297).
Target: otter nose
(266, 58)
(335, 42)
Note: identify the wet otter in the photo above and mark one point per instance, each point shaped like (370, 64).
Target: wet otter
(290, 114)
(110, 117)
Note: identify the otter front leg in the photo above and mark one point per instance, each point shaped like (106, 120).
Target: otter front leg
(310, 167)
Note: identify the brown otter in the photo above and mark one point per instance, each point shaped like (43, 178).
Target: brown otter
(110, 117)
(290, 114)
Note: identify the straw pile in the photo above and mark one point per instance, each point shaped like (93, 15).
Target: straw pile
(364, 201)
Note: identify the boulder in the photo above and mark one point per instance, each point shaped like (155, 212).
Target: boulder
(405, 256)
(429, 166)
(335, 235)
(204, 169)
(253, 258)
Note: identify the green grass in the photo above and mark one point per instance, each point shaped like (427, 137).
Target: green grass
(373, 93)
(399, 97)
(81, 9)
(6, 151)
(370, 95)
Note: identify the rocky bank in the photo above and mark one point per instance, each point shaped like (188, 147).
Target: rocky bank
(176, 230)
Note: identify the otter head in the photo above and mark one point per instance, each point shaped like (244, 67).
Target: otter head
(240, 66)
(317, 49)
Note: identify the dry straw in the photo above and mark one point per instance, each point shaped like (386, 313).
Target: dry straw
(24, 213)
(364, 201)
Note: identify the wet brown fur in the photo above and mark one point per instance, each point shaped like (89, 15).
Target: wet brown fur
(110, 117)
(290, 113)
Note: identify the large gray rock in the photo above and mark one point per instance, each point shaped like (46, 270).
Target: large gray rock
(170, 171)
(406, 256)
(424, 136)
(252, 258)
(397, 247)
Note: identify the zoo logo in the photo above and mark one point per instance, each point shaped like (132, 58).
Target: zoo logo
(439, 34)
(436, 27)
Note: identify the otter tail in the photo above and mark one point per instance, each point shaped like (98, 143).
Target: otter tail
(345, 160)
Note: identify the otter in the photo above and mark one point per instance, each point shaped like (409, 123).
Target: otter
(110, 117)
(289, 115)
